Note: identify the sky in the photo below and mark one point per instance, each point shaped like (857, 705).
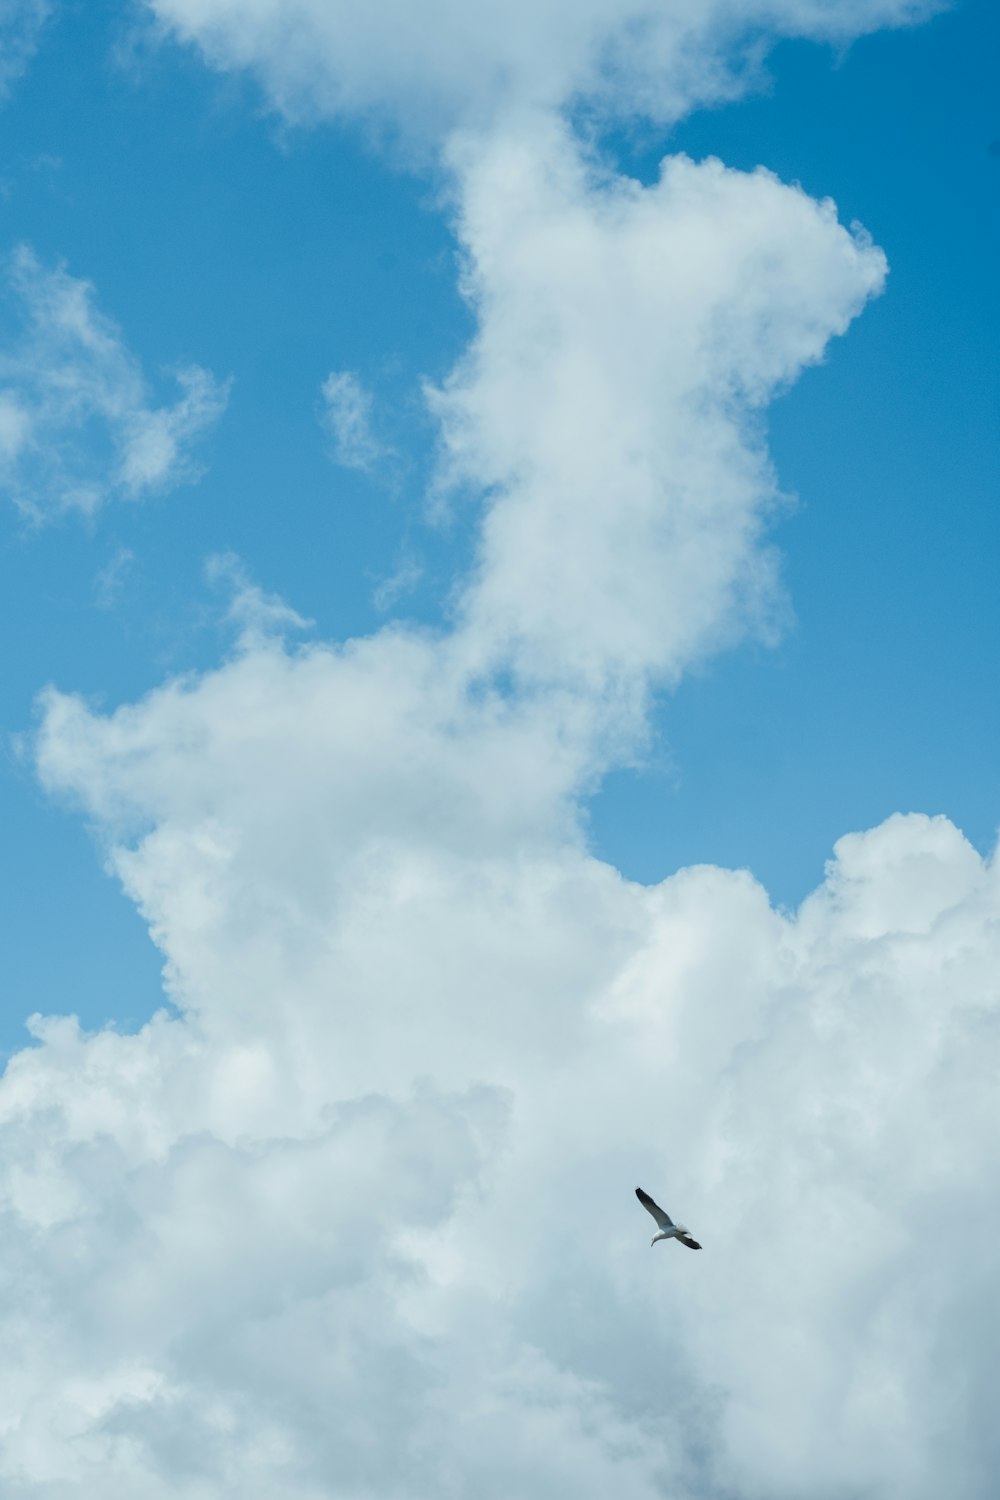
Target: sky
(500, 704)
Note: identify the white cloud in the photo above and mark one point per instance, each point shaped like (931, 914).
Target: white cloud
(347, 417)
(21, 22)
(76, 426)
(443, 62)
(609, 403)
(259, 617)
(264, 1210)
(111, 579)
(397, 584)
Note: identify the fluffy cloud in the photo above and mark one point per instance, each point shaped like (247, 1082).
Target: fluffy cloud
(76, 424)
(444, 62)
(609, 403)
(359, 1219)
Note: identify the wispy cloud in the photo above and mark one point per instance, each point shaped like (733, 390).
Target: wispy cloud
(21, 22)
(388, 591)
(258, 616)
(347, 417)
(110, 581)
(77, 426)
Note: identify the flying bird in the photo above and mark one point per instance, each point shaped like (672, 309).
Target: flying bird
(668, 1229)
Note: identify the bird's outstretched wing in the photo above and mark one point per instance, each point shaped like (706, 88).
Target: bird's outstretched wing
(664, 1220)
(686, 1239)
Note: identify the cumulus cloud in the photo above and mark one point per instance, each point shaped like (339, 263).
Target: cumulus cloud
(347, 417)
(368, 1200)
(76, 424)
(21, 22)
(609, 403)
(444, 62)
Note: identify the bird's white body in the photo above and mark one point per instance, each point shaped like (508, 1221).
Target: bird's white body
(673, 1233)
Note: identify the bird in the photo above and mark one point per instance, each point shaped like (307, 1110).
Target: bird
(668, 1229)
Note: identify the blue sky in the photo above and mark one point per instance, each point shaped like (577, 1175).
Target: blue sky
(272, 253)
(499, 545)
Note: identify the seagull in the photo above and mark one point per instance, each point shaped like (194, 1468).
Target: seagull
(668, 1229)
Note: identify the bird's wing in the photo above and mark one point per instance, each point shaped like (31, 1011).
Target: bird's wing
(664, 1220)
(686, 1239)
